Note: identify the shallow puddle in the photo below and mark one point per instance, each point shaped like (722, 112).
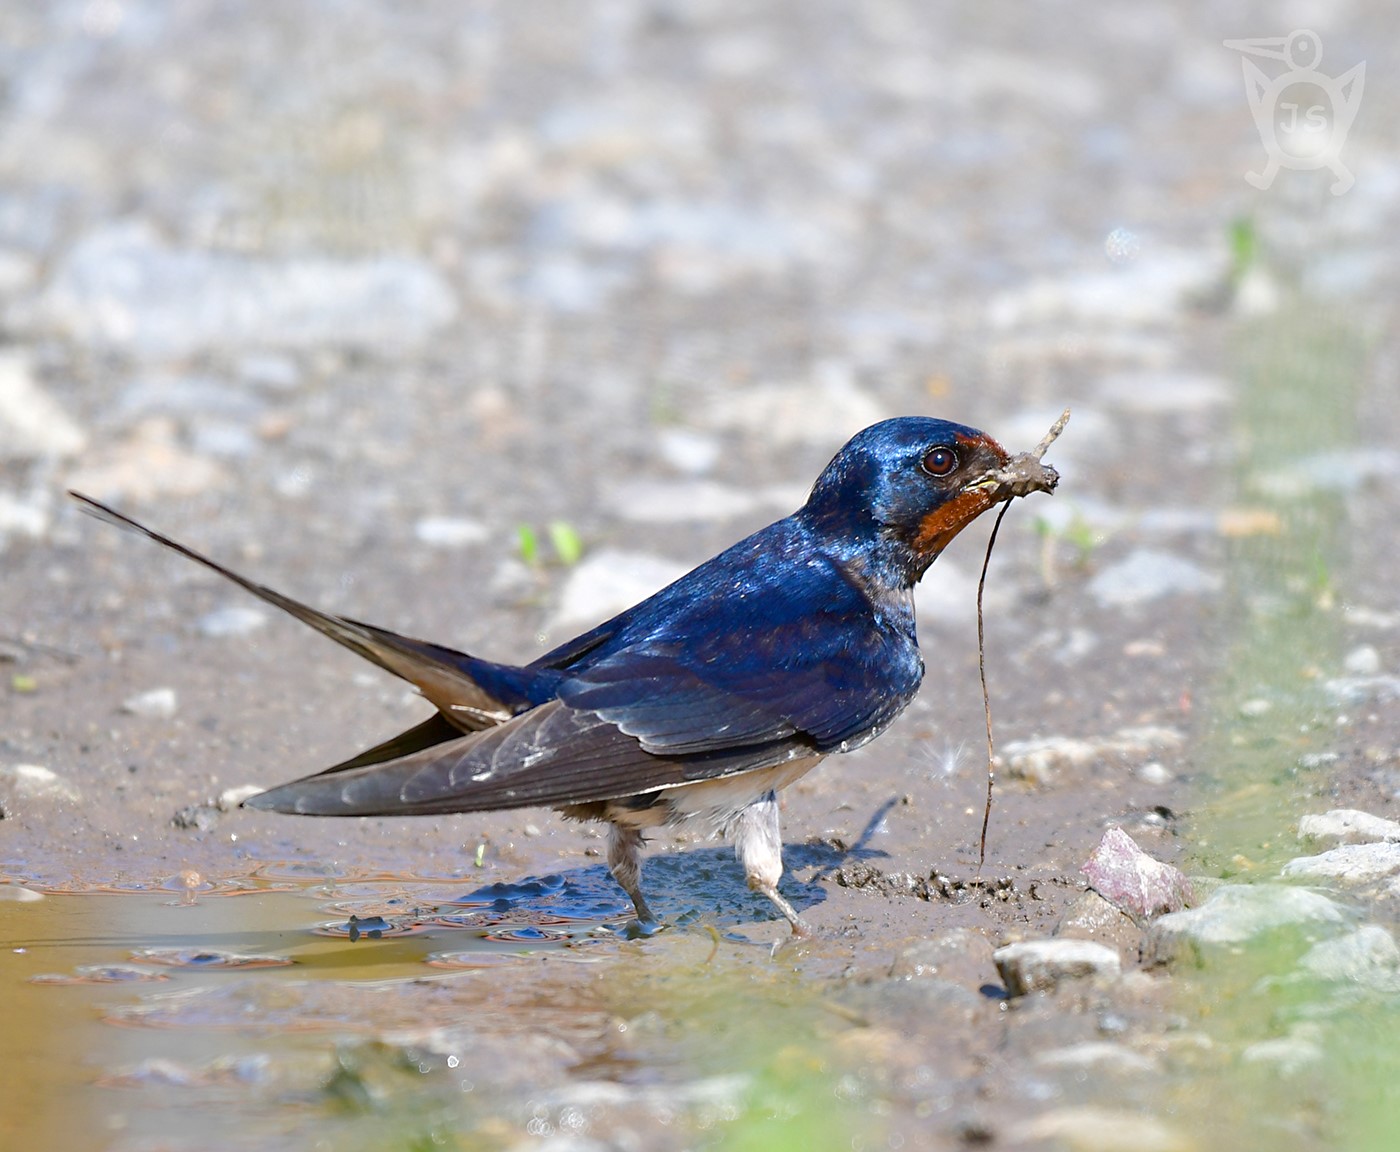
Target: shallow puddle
(193, 1001)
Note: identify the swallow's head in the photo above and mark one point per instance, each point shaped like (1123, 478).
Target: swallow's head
(898, 492)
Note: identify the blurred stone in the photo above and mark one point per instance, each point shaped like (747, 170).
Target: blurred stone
(1354, 690)
(271, 371)
(18, 894)
(122, 287)
(1088, 1128)
(1147, 574)
(234, 620)
(1152, 290)
(1154, 773)
(231, 798)
(1334, 470)
(1289, 1054)
(196, 818)
(1234, 914)
(1042, 965)
(827, 411)
(223, 438)
(1133, 881)
(1091, 917)
(1347, 826)
(961, 956)
(1367, 956)
(1348, 863)
(18, 272)
(607, 582)
(690, 452)
(147, 464)
(1162, 393)
(450, 531)
(20, 516)
(678, 501)
(1098, 1055)
(36, 781)
(1362, 660)
(1045, 758)
(157, 704)
(31, 422)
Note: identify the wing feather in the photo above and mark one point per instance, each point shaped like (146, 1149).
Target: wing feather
(553, 755)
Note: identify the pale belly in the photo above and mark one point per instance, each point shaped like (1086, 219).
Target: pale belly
(711, 803)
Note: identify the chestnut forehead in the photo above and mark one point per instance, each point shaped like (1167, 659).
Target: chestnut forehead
(983, 441)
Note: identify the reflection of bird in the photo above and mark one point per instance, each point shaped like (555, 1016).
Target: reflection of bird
(1314, 143)
(702, 701)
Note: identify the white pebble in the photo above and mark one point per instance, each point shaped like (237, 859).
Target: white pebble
(157, 704)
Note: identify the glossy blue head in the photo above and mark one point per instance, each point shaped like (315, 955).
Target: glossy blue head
(900, 490)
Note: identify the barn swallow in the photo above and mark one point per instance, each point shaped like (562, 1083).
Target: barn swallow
(706, 699)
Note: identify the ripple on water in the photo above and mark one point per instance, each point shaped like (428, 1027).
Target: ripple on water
(203, 958)
(102, 974)
(159, 1072)
(372, 928)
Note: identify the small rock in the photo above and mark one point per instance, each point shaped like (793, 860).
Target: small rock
(1348, 863)
(1097, 1054)
(1153, 772)
(35, 780)
(1253, 709)
(1354, 690)
(1290, 1054)
(157, 704)
(235, 620)
(268, 370)
(1093, 1129)
(1152, 290)
(1367, 956)
(1347, 826)
(1091, 917)
(1147, 574)
(23, 517)
(680, 501)
(197, 818)
(826, 411)
(148, 463)
(1041, 965)
(1132, 880)
(1362, 660)
(1162, 393)
(1043, 759)
(692, 453)
(607, 582)
(231, 798)
(1340, 470)
(122, 287)
(18, 894)
(224, 438)
(1234, 914)
(31, 422)
(961, 956)
(450, 531)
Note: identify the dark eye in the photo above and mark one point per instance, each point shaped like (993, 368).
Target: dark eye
(940, 461)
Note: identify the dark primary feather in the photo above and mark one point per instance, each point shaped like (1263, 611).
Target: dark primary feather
(467, 690)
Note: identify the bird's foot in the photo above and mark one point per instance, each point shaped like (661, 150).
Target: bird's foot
(641, 929)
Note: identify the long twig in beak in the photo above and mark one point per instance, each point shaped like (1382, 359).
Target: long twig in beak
(1023, 474)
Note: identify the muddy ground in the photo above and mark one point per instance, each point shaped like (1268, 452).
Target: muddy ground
(346, 296)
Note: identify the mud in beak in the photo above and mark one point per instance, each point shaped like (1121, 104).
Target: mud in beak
(1023, 473)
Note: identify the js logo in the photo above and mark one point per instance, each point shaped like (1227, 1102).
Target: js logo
(1302, 116)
